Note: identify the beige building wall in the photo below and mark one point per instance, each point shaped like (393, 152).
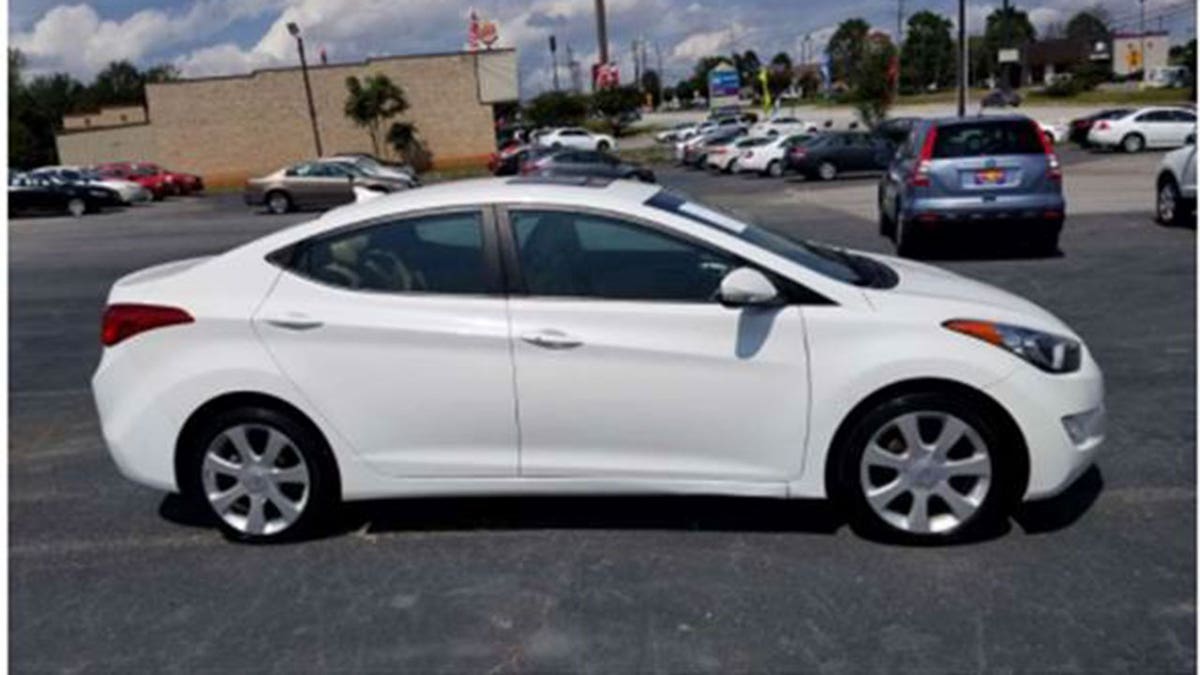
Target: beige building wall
(106, 117)
(135, 142)
(229, 128)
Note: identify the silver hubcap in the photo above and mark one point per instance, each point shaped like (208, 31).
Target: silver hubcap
(1132, 144)
(1166, 204)
(775, 169)
(926, 472)
(76, 207)
(279, 203)
(828, 171)
(255, 479)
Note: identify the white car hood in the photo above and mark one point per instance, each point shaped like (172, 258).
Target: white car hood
(927, 289)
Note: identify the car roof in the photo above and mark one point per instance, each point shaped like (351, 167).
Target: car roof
(565, 191)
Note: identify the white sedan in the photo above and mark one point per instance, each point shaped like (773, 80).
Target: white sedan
(767, 159)
(782, 126)
(1144, 128)
(580, 139)
(538, 336)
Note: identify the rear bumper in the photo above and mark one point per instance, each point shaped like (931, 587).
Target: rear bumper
(1045, 207)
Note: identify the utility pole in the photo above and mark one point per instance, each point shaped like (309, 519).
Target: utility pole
(962, 58)
(1142, 48)
(1005, 71)
(602, 31)
(637, 65)
(554, 60)
(312, 110)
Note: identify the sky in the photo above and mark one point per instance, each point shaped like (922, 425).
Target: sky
(215, 37)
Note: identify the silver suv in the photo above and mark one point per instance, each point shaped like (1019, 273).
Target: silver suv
(967, 172)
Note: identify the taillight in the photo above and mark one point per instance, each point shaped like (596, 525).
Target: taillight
(122, 322)
(1053, 168)
(921, 170)
(1102, 125)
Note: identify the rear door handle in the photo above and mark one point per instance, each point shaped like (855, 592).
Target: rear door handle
(295, 323)
(552, 339)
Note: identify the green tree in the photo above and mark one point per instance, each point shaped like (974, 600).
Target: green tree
(1090, 26)
(119, 83)
(685, 92)
(846, 48)
(1011, 30)
(371, 102)
(163, 72)
(407, 143)
(556, 109)
(872, 91)
(747, 65)
(615, 104)
(927, 57)
(779, 74)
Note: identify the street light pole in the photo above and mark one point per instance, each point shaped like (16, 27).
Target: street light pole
(1142, 47)
(962, 58)
(312, 110)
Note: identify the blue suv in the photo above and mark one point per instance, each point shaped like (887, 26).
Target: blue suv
(956, 173)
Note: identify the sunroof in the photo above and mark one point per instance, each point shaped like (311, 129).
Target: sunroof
(573, 181)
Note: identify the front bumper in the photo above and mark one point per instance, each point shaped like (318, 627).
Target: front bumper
(1061, 418)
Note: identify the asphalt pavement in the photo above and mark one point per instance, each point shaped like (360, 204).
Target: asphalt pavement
(109, 576)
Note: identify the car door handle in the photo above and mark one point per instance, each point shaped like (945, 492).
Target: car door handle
(552, 339)
(295, 323)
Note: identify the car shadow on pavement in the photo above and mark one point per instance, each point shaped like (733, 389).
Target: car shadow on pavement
(987, 245)
(1062, 511)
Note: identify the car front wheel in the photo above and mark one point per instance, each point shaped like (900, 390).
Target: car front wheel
(827, 171)
(76, 207)
(926, 467)
(262, 475)
(1169, 204)
(278, 202)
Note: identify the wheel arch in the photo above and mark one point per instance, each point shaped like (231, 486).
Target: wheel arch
(241, 399)
(1009, 426)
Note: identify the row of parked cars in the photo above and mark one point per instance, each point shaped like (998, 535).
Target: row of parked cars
(327, 182)
(939, 172)
(77, 190)
(565, 152)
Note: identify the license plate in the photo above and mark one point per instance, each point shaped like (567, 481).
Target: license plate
(989, 177)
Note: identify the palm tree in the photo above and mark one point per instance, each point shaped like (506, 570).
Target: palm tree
(371, 102)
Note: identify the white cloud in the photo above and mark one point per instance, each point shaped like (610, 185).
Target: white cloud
(698, 45)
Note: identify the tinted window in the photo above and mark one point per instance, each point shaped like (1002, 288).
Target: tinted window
(1002, 137)
(435, 254)
(1155, 116)
(1183, 116)
(579, 254)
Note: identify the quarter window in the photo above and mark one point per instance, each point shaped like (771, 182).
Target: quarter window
(584, 255)
(440, 253)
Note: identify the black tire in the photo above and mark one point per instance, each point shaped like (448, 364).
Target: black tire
(775, 169)
(1045, 242)
(1169, 205)
(278, 202)
(1004, 453)
(1132, 143)
(324, 488)
(910, 242)
(603, 146)
(887, 224)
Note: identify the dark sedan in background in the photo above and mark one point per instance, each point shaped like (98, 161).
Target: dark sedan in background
(590, 163)
(829, 155)
(41, 194)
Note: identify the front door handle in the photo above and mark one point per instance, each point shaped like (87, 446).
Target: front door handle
(552, 339)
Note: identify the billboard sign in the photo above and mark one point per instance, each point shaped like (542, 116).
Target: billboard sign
(723, 86)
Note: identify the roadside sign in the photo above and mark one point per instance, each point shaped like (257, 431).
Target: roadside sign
(1008, 56)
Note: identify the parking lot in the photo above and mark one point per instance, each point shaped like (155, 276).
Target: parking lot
(107, 575)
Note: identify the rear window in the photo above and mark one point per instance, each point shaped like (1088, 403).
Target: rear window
(1001, 137)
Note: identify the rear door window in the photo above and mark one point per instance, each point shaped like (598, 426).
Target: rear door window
(1001, 137)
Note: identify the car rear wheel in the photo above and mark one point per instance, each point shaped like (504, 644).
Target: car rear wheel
(262, 475)
(926, 467)
(1133, 143)
(76, 207)
(1169, 204)
(775, 169)
(910, 242)
(827, 171)
(603, 146)
(887, 224)
(278, 202)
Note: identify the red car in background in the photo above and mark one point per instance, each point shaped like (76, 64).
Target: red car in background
(154, 178)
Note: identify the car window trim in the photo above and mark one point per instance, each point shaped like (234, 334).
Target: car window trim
(514, 281)
(285, 257)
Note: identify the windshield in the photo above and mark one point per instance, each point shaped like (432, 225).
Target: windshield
(820, 259)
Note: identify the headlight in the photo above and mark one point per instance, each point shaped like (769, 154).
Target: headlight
(1051, 353)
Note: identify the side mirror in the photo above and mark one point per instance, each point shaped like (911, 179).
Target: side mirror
(746, 287)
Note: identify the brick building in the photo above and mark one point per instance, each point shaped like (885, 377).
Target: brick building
(231, 127)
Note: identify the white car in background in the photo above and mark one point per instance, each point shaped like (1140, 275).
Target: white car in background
(767, 159)
(651, 344)
(677, 132)
(782, 126)
(1160, 127)
(577, 138)
(726, 156)
(129, 191)
(1055, 133)
(1175, 188)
